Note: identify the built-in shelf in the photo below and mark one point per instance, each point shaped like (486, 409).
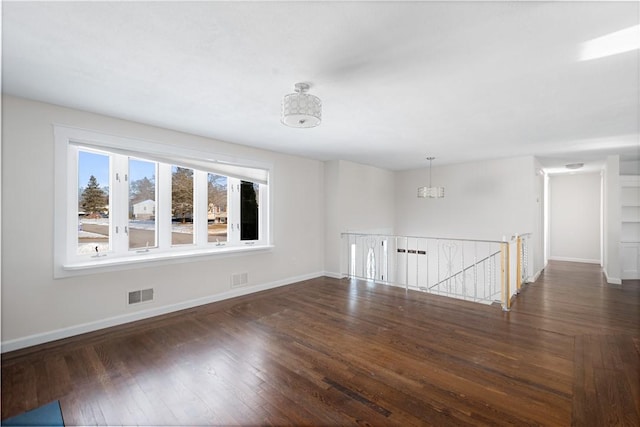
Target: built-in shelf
(630, 226)
(630, 229)
(630, 213)
(629, 195)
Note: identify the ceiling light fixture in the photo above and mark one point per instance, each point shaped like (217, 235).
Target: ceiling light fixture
(430, 192)
(301, 110)
(574, 166)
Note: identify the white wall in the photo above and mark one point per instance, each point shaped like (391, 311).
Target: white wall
(574, 217)
(313, 202)
(37, 308)
(538, 197)
(483, 200)
(611, 262)
(359, 198)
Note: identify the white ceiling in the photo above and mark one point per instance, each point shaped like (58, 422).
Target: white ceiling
(460, 81)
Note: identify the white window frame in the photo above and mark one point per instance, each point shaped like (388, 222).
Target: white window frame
(69, 141)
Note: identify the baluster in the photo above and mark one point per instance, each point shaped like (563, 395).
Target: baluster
(464, 275)
(475, 271)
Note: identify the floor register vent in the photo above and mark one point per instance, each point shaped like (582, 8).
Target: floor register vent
(142, 295)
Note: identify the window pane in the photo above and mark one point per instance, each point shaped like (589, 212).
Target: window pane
(142, 204)
(217, 208)
(181, 206)
(248, 210)
(93, 203)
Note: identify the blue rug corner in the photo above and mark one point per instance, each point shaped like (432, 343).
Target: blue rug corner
(49, 415)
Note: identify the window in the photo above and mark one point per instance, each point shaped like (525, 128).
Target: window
(217, 209)
(249, 224)
(93, 203)
(142, 204)
(121, 201)
(182, 206)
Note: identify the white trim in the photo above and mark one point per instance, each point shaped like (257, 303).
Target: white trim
(611, 280)
(57, 334)
(570, 259)
(333, 275)
(534, 278)
(152, 260)
(250, 170)
(68, 263)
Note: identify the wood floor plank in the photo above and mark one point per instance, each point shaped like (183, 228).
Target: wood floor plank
(339, 352)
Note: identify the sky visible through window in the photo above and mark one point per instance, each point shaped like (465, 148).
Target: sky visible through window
(93, 164)
(98, 165)
(139, 169)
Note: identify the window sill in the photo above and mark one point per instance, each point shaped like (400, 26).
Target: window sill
(139, 260)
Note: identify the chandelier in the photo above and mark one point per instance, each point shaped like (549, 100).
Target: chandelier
(430, 192)
(301, 110)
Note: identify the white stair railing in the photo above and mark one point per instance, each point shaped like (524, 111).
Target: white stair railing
(522, 249)
(473, 270)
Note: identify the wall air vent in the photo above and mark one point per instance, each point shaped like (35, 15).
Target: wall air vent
(239, 279)
(139, 296)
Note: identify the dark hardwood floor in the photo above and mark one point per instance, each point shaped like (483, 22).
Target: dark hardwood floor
(335, 352)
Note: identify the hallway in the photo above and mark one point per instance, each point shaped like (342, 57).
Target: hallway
(574, 299)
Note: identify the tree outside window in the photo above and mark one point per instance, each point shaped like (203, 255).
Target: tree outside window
(94, 200)
(182, 194)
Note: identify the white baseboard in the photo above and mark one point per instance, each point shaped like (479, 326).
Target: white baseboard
(532, 279)
(31, 340)
(334, 275)
(569, 259)
(611, 280)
